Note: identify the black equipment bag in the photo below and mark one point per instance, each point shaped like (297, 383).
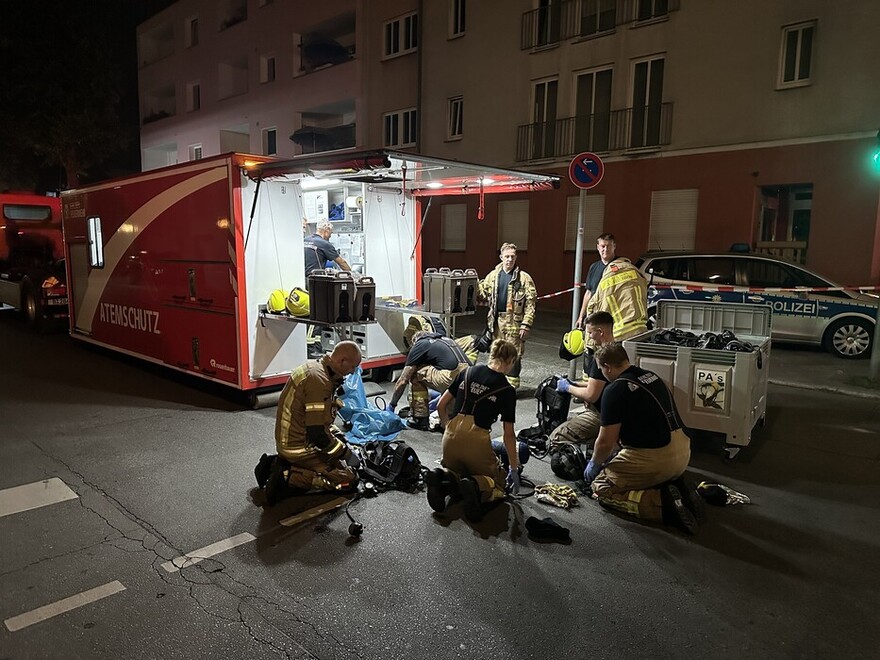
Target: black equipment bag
(390, 464)
(553, 409)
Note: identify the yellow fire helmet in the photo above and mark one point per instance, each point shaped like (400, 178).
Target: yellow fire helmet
(276, 301)
(572, 344)
(298, 302)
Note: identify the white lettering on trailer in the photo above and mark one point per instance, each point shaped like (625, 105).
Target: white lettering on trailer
(136, 318)
(221, 366)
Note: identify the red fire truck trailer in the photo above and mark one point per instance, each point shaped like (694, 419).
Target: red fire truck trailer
(32, 276)
(175, 265)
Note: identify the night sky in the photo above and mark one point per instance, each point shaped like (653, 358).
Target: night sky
(38, 42)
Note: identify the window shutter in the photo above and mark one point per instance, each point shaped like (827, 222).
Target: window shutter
(513, 223)
(594, 220)
(453, 228)
(673, 219)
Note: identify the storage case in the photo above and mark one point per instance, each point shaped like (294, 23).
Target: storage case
(450, 291)
(715, 390)
(337, 297)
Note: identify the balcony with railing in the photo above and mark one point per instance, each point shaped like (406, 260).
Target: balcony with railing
(643, 128)
(579, 19)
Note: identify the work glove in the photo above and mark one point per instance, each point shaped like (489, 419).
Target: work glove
(513, 484)
(562, 385)
(352, 460)
(390, 408)
(592, 471)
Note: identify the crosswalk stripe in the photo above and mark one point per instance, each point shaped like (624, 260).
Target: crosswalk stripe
(65, 605)
(208, 551)
(34, 496)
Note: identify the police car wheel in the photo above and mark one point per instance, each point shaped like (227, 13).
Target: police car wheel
(849, 338)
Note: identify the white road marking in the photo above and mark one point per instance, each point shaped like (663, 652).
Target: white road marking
(314, 511)
(62, 606)
(208, 551)
(33, 496)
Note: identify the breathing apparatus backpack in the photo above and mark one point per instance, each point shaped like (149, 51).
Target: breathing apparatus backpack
(390, 464)
(553, 409)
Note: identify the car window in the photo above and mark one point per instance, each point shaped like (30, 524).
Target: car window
(716, 270)
(674, 269)
(808, 279)
(760, 273)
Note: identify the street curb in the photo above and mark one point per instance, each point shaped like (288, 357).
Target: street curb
(847, 391)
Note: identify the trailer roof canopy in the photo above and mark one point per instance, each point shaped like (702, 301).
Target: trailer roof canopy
(420, 175)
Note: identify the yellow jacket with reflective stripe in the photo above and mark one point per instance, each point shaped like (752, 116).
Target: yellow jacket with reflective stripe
(308, 399)
(623, 292)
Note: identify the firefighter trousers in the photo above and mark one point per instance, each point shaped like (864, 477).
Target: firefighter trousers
(629, 481)
(467, 451)
(320, 472)
(436, 379)
(583, 428)
(506, 327)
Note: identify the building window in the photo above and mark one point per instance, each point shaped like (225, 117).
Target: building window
(401, 128)
(96, 243)
(647, 10)
(453, 228)
(270, 141)
(594, 220)
(597, 16)
(191, 31)
(544, 119)
(513, 223)
(457, 17)
(796, 55)
(267, 68)
(195, 151)
(193, 96)
(592, 129)
(673, 224)
(647, 103)
(455, 118)
(401, 35)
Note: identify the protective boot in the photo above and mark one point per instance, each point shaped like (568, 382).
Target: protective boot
(419, 423)
(691, 498)
(442, 488)
(675, 513)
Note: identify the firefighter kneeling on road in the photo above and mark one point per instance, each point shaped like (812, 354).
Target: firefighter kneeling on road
(312, 454)
(644, 479)
(471, 470)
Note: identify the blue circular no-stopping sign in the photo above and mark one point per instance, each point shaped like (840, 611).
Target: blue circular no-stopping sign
(586, 170)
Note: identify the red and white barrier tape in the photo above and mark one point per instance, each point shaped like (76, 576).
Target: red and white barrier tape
(736, 289)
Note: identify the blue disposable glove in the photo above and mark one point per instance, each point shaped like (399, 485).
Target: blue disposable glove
(562, 385)
(592, 471)
(390, 407)
(513, 484)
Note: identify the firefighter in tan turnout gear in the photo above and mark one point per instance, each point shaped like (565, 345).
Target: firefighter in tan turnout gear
(623, 292)
(312, 454)
(511, 295)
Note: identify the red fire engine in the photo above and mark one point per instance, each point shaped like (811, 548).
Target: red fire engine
(32, 276)
(176, 265)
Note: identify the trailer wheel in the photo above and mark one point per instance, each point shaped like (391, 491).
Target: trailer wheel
(32, 306)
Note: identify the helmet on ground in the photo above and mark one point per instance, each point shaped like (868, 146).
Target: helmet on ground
(298, 302)
(572, 344)
(567, 461)
(276, 301)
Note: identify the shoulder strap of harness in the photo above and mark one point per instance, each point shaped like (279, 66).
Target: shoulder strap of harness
(671, 415)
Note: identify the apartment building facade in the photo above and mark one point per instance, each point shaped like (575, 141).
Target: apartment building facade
(719, 123)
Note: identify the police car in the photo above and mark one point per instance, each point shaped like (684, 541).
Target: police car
(840, 321)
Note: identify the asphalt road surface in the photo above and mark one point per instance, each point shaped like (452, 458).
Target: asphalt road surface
(111, 469)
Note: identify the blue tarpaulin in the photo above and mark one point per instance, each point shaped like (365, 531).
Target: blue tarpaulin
(367, 421)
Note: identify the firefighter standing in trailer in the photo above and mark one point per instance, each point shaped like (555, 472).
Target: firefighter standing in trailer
(511, 295)
(433, 361)
(312, 454)
(644, 479)
(471, 469)
(319, 250)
